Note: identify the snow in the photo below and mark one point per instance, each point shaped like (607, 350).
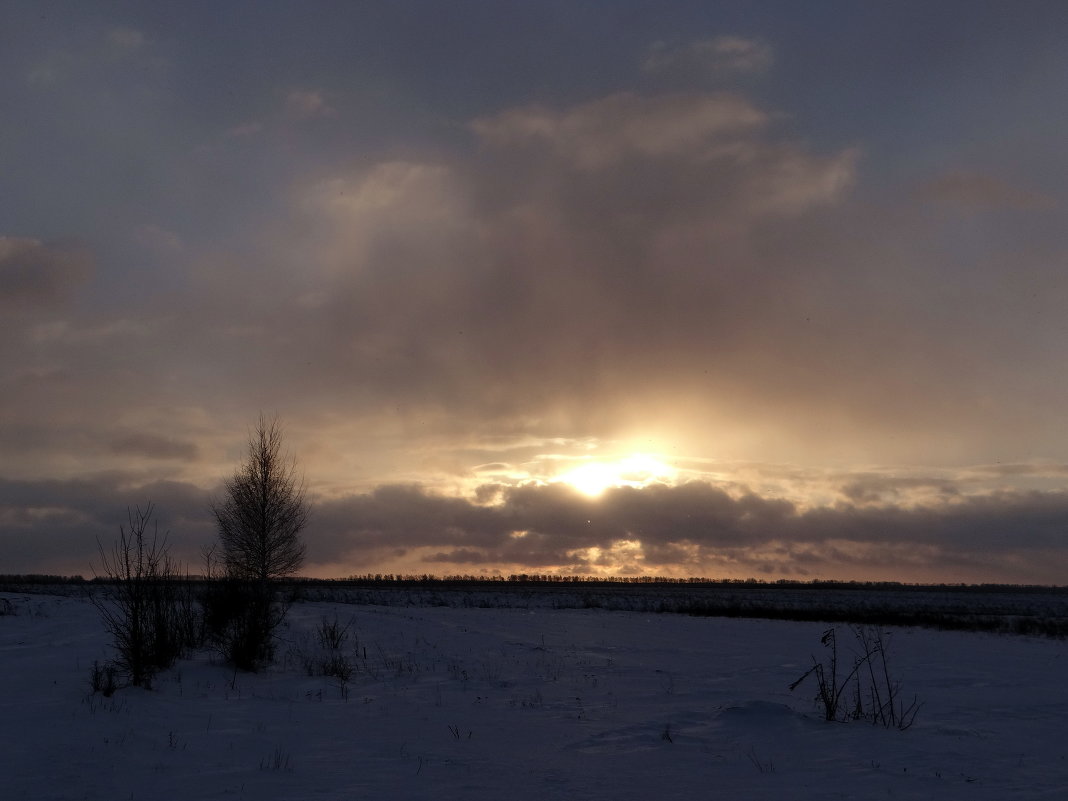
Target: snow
(524, 704)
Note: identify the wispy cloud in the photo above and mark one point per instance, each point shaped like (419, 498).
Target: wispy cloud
(126, 39)
(80, 58)
(715, 57)
(974, 191)
(307, 104)
(244, 129)
(605, 132)
(156, 237)
(154, 446)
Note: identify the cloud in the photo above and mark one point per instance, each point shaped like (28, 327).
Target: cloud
(657, 163)
(602, 133)
(898, 490)
(124, 40)
(156, 237)
(244, 129)
(674, 267)
(695, 528)
(471, 288)
(48, 70)
(154, 446)
(716, 57)
(583, 256)
(307, 104)
(55, 525)
(1013, 469)
(540, 526)
(63, 332)
(698, 528)
(35, 274)
(500, 290)
(82, 59)
(975, 191)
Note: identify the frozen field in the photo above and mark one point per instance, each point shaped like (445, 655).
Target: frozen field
(472, 703)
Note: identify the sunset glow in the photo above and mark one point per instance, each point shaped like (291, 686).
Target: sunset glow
(638, 470)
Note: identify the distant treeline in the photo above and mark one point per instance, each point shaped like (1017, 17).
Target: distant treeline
(1004, 608)
(392, 579)
(38, 578)
(514, 579)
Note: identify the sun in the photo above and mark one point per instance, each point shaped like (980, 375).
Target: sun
(638, 470)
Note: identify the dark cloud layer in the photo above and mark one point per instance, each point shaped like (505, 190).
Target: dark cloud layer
(701, 528)
(693, 528)
(54, 526)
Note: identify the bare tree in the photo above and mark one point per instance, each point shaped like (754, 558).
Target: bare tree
(264, 511)
(260, 519)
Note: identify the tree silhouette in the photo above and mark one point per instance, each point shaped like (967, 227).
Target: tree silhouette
(260, 519)
(263, 512)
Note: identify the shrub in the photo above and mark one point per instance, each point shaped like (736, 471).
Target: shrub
(333, 652)
(239, 621)
(875, 696)
(146, 608)
(104, 678)
(333, 638)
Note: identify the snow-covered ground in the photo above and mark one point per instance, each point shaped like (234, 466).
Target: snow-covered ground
(524, 704)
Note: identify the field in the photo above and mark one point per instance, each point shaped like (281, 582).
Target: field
(486, 696)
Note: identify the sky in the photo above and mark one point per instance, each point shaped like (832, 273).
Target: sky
(738, 289)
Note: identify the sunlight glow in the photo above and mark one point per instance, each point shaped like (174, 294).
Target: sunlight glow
(638, 470)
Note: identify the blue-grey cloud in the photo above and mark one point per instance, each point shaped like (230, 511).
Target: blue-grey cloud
(33, 273)
(717, 57)
(58, 526)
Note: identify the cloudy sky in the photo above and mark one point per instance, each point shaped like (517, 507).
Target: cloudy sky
(767, 289)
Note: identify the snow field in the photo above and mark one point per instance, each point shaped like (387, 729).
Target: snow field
(523, 704)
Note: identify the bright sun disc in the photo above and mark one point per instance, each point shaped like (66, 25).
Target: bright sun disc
(639, 470)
